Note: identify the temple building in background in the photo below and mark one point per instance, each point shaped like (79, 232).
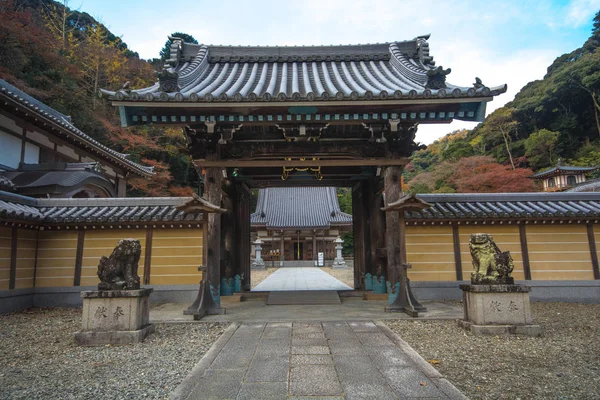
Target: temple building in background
(42, 154)
(295, 224)
(563, 177)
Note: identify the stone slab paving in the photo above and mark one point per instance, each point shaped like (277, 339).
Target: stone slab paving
(313, 360)
(298, 278)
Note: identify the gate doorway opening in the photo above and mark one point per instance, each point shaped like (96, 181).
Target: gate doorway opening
(299, 231)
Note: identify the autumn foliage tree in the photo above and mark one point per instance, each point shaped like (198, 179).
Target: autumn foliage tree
(63, 57)
(483, 175)
(478, 174)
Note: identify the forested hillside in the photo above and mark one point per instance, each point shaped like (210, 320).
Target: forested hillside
(556, 117)
(62, 57)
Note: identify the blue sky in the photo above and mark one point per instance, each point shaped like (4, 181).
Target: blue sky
(503, 41)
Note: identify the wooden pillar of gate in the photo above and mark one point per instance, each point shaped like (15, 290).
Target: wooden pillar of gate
(212, 187)
(376, 225)
(228, 263)
(358, 233)
(394, 235)
(208, 299)
(242, 240)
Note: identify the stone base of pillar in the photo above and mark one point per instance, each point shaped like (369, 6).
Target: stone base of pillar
(339, 263)
(258, 264)
(114, 317)
(498, 309)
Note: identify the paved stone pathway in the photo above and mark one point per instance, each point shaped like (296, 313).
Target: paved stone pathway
(332, 360)
(298, 278)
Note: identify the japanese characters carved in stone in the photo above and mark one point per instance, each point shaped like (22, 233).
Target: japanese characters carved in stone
(490, 265)
(120, 270)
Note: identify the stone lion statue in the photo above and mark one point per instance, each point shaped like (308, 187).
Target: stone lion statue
(120, 270)
(490, 265)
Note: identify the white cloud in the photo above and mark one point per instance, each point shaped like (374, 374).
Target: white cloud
(580, 12)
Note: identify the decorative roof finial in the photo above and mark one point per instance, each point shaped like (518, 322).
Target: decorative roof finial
(436, 78)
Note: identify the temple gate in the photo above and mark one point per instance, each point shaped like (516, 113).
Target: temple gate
(342, 116)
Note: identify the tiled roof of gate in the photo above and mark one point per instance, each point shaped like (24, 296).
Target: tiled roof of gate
(498, 206)
(394, 70)
(36, 107)
(303, 207)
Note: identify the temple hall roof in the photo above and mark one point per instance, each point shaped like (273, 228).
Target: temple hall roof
(43, 112)
(43, 179)
(393, 71)
(301, 207)
(560, 169)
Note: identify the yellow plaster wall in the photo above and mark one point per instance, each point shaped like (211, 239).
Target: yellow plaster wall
(559, 252)
(56, 258)
(430, 251)
(26, 246)
(98, 243)
(5, 246)
(506, 237)
(176, 255)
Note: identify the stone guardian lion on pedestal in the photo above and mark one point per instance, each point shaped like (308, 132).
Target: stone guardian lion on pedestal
(120, 270)
(490, 265)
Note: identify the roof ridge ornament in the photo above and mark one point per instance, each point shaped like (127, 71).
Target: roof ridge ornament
(175, 51)
(436, 78)
(168, 81)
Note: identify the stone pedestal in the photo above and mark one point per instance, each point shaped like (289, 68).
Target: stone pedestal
(498, 309)
(114, 317)
(339, 261)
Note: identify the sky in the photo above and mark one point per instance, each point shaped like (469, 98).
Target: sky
(507, 41)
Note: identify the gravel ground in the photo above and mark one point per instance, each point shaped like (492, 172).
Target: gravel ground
(38, 359)
(564, 364)
(344, 275)
(259, 275)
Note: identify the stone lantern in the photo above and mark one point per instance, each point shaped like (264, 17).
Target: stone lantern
(339, 262)
(258, 261)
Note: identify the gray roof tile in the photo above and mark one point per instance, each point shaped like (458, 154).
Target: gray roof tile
(305, 207)
(310, 207)
(499, 206)
(392, 70)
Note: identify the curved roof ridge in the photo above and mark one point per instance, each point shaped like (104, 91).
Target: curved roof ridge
(397, 70)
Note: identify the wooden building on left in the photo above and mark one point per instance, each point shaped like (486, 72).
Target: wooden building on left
(42, 154)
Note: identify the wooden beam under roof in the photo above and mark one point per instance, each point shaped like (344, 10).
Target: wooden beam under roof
(245, 163)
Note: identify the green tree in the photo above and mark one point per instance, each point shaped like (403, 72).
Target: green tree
(344, 196)
(165, 52)
(501, 125)
(540, 148)
(458, 149)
